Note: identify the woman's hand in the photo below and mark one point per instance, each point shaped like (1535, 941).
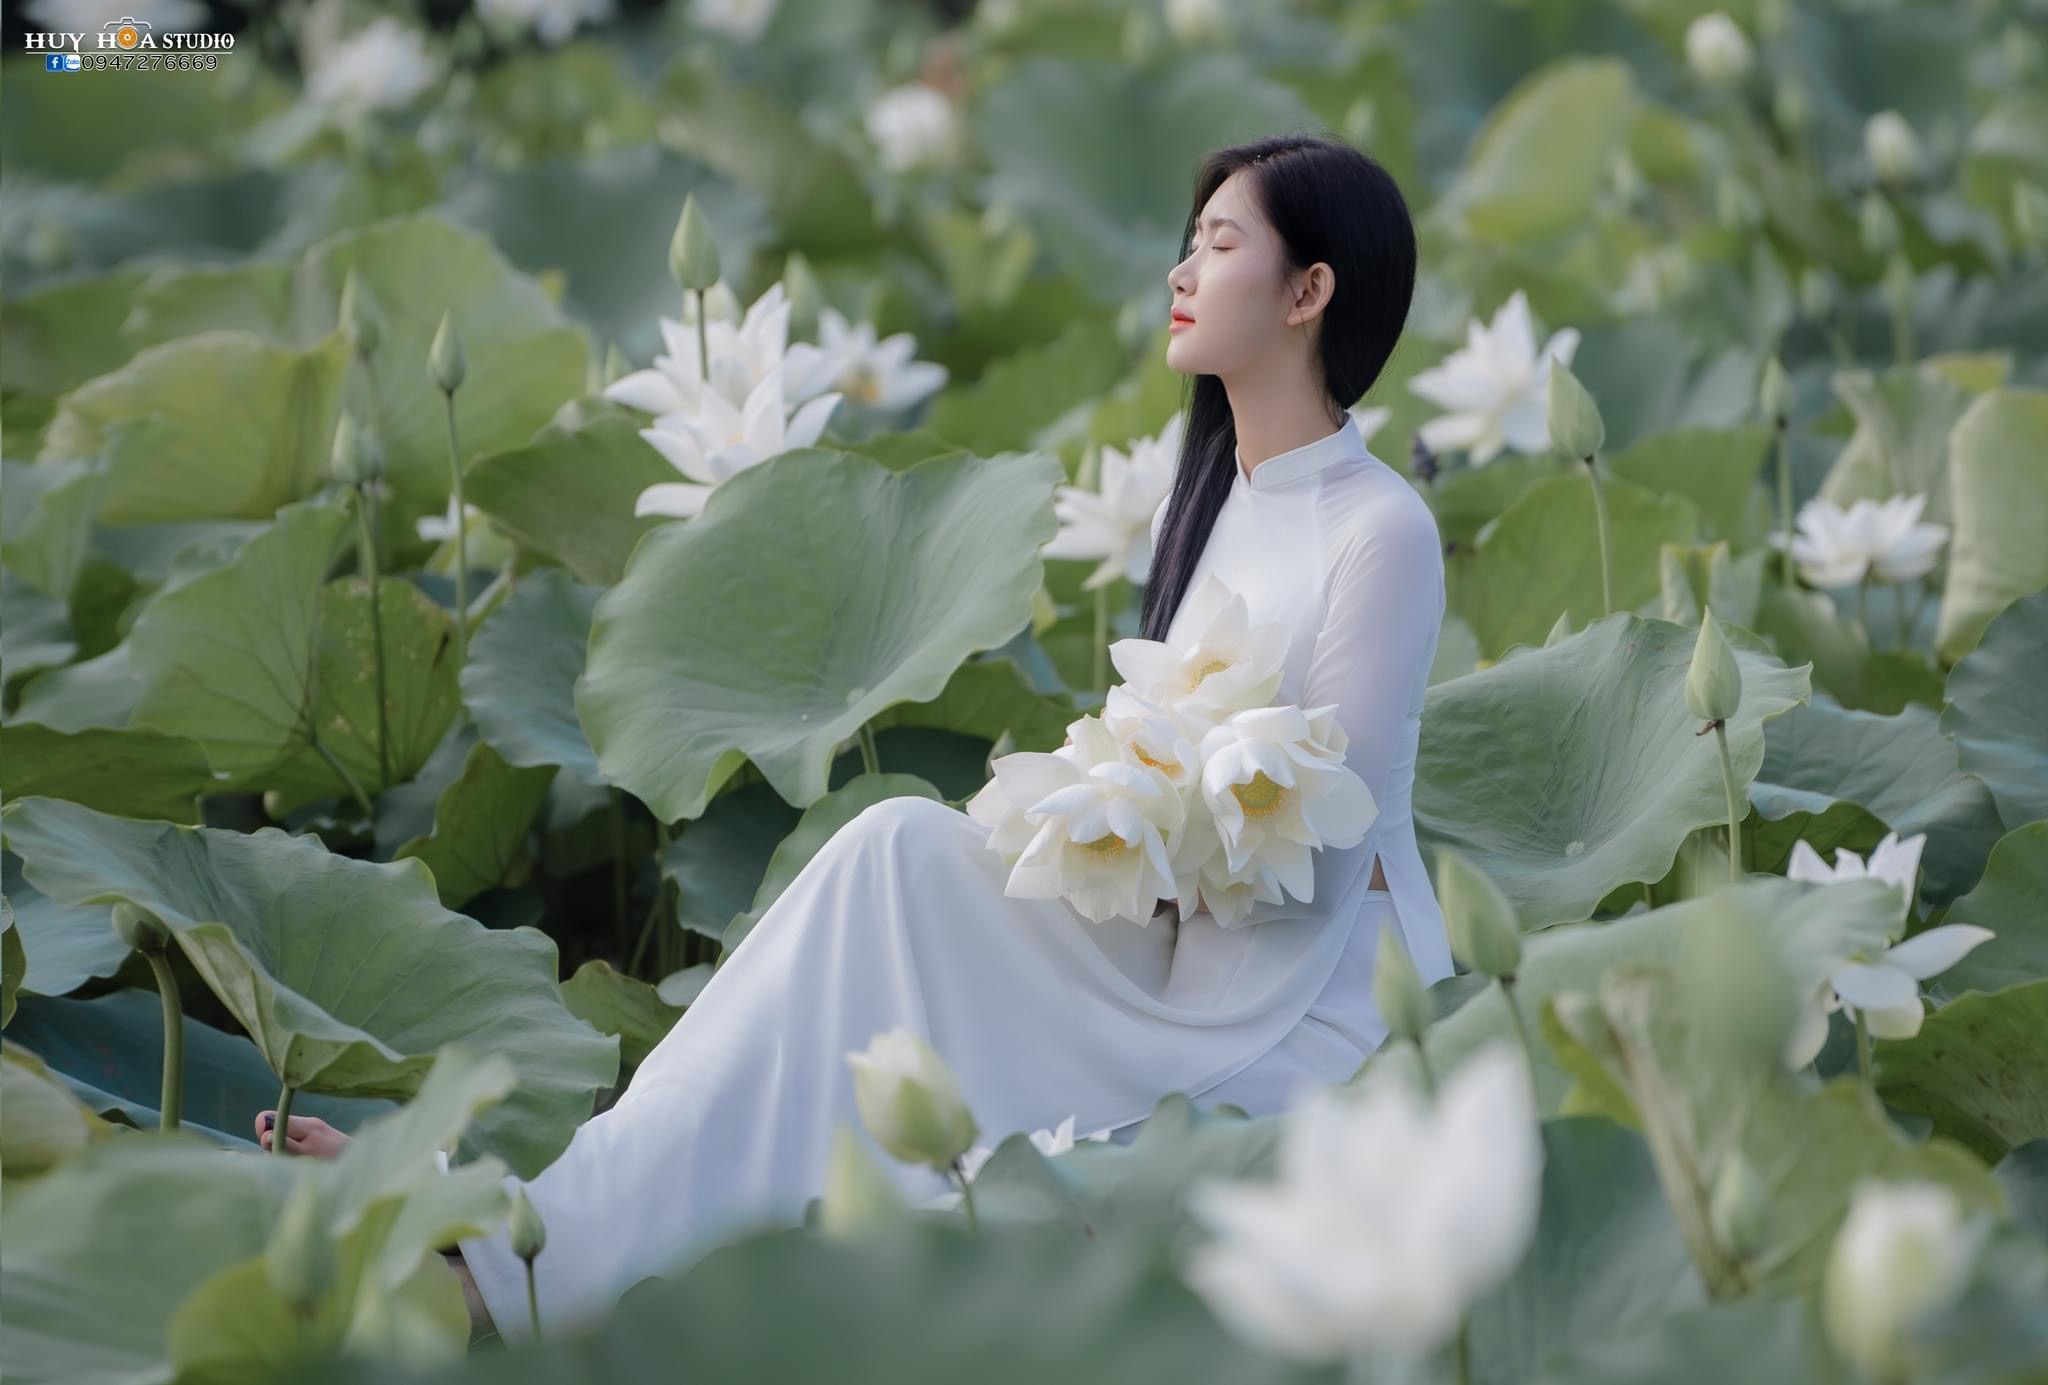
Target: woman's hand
(308, 1135)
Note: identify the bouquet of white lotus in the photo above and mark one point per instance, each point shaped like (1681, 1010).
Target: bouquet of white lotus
(1188, 785)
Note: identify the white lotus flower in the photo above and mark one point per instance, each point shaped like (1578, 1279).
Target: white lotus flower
(745, 20)
(1058, 1140)
(436, 528)
(1886, 990)
(718, 442)
(381, 66)
(742, 354)
(1717, 50)
(552, 21)
(909, 1099)
(1891, 146)
(1098, 822)
(1903, 1252)
(913, 125)
(1229, 665)
(878, 375)
(1192, 21)
(86, 16)
(1114, 522)
(1891, 860)
(1389, 1217)
(1496, 388)
(1277, 789)
(1835, 547)
(1369, 419)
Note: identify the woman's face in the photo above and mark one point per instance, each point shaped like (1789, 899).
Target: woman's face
(1235, 286)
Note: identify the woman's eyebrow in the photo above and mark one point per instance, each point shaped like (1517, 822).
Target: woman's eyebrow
(1220, 221)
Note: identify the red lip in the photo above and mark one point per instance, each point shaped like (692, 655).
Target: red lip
(1179, 316)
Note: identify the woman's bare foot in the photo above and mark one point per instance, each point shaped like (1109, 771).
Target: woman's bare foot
(308, 1135)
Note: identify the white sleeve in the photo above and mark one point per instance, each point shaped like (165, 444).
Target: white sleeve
(1371, 658)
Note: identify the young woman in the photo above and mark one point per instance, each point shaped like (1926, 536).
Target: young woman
(1298, 263)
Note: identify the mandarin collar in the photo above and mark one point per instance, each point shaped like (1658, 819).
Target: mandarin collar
(1345, 444)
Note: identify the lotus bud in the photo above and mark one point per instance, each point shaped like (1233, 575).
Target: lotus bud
(910, 1101)
(2030, 212)
(1879, 224)
(800, 285)
(1902, 1254)
(1739, 1210)
(1404, 1002)
(693, 249)
(528, 1235)
(359, 321)
(444, 357)
(1713, 685)
(1716, 50)
(856, 1195)
(140, 929)
(1893, 149)
(357, 459)
(299, 1261)
(1775, 394)
(1481, 922)
(1575, 426)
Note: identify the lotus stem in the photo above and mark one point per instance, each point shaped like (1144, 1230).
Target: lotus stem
(1464, 1349)
(871, 758)
(1863, 1055)
(966, 1194)
(1863, 605)
(532, 1301)
(461, 536)
(366, 558)
(1101, 678)
(1734, 818)
(362, 799)
(1902, 329)
(284, 1116)
(655, 910)
(171, 1105)
(1600, 522)
(1422, 1066)
(1507, 993)
(1784, 508)
(703, 341)
(618, 814)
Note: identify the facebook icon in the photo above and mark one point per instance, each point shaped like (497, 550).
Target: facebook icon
(53, 62)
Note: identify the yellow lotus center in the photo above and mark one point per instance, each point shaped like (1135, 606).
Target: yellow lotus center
(1259, 797)
(1108, 844)
(1156, 764)
(1213, 666)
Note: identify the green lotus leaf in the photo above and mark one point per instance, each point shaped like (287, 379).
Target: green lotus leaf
(569, 493)
(62, 334)
(1715, 468)
(612, 1002)
(1975, 1069)
(822, 588)
(520, 681)
(719, 860)
(1900, 769)
(2011, 900)
(35, 630)
(45, 1123)
(1999, 487)
(228, 657)
(109, 1051)
(1571, 769)
(478, 836)
(1900, 446)
(1808, 1146)
(1542, 557)
(13, 961)
(66, 946)
(134, 771)
(1543, 152)
(984, 698)
(349, 975)
(47, 520)
(1815, 928)
(223, 424)
(1022, 396)
(1996, 713)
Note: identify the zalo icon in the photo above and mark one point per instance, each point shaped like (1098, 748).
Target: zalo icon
(71, 62)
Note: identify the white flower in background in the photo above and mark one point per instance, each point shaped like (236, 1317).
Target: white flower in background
(1716, 50)
(1886, 990)
(1370, 420)
(1277, 789)
(913, 125)
(1903, 1252)
(1835, 547)
(878, 375)
(1193, 21)
(86, 16)
(909, 1099)
(719, 441)
(1058, 1140)
(743, 353)
(1893, 149)
(1389, 1217)
(1496, 387)
(1113, 523)
(552, 21)
(1228, 665)
(381, 66)
(1098, 825)
(745, 20)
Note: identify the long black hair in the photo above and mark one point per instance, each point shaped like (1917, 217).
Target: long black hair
(1328, 202)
